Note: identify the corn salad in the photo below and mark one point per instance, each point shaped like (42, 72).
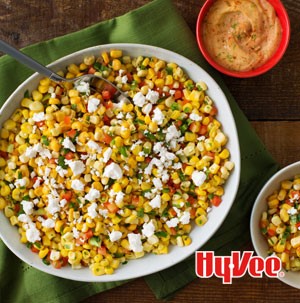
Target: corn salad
(280, 224)
(91, 183)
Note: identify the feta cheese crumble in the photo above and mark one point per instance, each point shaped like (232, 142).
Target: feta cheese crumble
(113, 171)
(139, 99)
(198, 177)
(67, 143)
(77, 185)
(158, 116)
(148, 229)
(135, 242)
(93, 104)
(115, 235)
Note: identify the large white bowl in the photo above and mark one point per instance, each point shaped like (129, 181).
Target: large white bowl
(200, 235)
(260, 205)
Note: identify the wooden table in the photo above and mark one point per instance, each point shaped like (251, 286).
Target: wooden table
(271, 102)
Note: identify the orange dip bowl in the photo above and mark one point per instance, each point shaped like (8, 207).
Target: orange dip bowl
(270, 63)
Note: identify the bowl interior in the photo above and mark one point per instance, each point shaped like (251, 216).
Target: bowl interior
(260, 205)
(200, 236)
(285, 24)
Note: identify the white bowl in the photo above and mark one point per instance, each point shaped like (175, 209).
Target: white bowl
(260, 205)
(150, 263)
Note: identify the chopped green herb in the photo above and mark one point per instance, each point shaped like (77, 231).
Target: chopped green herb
(139, 121)
(140, 213)
(46, 97)
(162, 234)
(99, 67)
(174, 106)
(96, 241)
(149, 135)
(45, 140)
(61, 162)
(27, 94)
(123, 151)
(169, 70)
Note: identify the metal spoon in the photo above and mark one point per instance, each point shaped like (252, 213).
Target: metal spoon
(96, 82)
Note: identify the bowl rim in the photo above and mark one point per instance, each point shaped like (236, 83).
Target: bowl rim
(170, 260)
(277, 56)
(257, 238)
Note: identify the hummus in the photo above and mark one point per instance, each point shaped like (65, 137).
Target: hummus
(241, 35)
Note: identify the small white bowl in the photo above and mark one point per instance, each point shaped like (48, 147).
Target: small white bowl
(260, 205)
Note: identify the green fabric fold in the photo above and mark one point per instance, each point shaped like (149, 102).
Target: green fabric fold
(160, 24)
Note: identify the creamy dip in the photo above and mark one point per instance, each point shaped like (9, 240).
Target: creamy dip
(241, 34)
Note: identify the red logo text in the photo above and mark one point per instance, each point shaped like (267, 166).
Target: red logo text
(236, 265)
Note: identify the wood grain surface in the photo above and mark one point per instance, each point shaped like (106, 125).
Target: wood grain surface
(271, 102)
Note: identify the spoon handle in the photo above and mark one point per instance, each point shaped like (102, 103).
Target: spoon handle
(29, 62)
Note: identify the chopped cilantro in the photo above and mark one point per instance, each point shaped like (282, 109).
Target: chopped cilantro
(140, 213)
(123, 151)
(162, 234)
(61, 162)
(27, 94)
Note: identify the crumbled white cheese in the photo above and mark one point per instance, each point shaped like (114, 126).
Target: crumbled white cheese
(62, 172)
(48, 223)
(155, 202)
(198, 177)
(157, 147)
(115, 235)
(39, 161)
(158, 116)
(92, 210)
(20, 182)
(103, 212)
(107, 154)
(139, 99)
(292, 211)
(47, 171)
(24, 218)
(38, 117)
(67, 143)
(93, 104)
(94, 146)
(172, 133)
(157, 183)
(27, 207)
(148, 229)
(147, 109)
(195, 117)
(113, 171)
(30, 152)
(82, 87)
(124, 79)
(32, 233)
(173, 222)
(77, 185)
(185, 217)
(84, 157)
(135, 242)
(152, 96)
(77, 166)
(119, 197)
(177, 165)
(92, 195)
(53, 204)
(75, 232)
(63, 202)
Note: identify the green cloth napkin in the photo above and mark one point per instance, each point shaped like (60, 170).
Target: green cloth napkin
(157, 23)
